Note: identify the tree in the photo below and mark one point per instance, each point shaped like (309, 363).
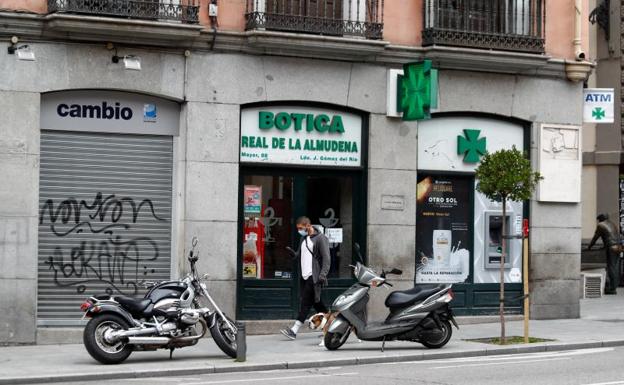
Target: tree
(505, 175)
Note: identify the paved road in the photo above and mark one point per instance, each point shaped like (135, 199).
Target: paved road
(601, 366)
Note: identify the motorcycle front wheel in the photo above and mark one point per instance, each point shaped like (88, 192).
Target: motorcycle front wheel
(96, 344)
(223, 336)
(335, 340)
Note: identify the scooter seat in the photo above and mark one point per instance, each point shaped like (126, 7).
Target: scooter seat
(411, 296)
(133, 305)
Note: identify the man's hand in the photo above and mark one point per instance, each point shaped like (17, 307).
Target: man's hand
(322, 280)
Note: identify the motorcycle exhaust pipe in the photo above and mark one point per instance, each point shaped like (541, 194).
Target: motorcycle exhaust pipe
(148, 340)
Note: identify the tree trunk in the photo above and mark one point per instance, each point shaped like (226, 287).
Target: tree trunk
(502, 272)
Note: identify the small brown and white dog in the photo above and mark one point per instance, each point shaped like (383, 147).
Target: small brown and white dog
(321, 321)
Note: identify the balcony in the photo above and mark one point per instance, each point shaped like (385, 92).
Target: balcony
(511, 25)
(185, 11)
(348, 18)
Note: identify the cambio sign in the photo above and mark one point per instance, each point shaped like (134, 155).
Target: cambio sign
(300, 135)
(109, 111)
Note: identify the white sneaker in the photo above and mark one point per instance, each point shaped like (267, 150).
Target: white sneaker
(322, 343)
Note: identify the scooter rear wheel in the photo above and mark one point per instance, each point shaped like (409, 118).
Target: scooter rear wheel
(335, 340)
(438, 338)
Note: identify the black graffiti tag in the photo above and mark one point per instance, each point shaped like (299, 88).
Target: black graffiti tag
(112, 261)
(106, 257)
(70, 211)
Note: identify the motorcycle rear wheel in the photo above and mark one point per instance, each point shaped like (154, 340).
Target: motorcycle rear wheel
(97, 346)
(335, 340)
(223, 336)
(439, 338)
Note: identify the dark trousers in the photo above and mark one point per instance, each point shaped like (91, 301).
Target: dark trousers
(306, 301)
(613, 270)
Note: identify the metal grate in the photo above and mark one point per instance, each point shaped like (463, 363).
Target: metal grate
(186, 11)
(515, 25)
(104, 218)
(363, 18)
(592, 285)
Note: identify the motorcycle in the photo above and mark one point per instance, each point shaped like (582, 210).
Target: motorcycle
(170, 316)
(421, 314)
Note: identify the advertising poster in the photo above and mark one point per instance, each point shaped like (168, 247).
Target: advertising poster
(253, 200)
(443, 229)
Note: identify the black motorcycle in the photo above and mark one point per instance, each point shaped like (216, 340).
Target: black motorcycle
(170, 316)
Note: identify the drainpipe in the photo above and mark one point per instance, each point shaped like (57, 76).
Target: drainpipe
(579, 55)
(578, 70)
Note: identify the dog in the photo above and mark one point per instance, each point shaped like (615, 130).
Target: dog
(321, 321)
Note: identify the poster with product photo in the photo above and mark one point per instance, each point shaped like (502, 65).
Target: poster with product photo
(443, 228)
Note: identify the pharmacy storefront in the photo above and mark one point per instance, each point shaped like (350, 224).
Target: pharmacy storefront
(297, 159)
(459, 230)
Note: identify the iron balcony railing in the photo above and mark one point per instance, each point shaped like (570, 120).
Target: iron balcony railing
(515, 25)
(363, 18)
(186, 11)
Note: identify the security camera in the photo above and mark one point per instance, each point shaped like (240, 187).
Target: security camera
(579, 56)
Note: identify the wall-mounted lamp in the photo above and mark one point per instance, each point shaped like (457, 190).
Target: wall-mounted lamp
(130, 62)
(22, 52)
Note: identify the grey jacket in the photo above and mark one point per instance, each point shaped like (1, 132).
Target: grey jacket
(320, 260)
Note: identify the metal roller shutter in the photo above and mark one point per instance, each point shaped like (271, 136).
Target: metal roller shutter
(104, 218)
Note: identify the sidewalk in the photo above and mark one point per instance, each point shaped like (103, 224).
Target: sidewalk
(600, 325)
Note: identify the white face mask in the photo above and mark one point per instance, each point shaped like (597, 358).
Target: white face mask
(303, 232)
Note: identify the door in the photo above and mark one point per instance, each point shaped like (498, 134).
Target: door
(271, 202)
(104, 218)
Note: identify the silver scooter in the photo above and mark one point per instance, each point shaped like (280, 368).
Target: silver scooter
(421, 314)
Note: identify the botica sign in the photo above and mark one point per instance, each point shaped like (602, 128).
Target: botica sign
(300, 135)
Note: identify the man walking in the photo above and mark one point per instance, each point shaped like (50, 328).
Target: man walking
(314, 259)
(611, 241)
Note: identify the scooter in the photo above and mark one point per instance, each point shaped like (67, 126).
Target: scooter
(421, 314)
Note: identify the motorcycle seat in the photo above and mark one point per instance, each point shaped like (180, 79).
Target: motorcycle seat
(133, 305)
(409, 297)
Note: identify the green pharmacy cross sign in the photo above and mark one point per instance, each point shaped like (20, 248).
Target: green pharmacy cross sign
(471, 146)
(598, 113)
(417, 90)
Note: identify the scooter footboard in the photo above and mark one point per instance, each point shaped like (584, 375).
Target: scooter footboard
(339, 325)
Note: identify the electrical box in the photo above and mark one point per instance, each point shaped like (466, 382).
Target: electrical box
(494, 237)
(212, 10)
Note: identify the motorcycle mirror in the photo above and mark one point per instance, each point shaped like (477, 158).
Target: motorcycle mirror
(195, 241)
(395, 271)
(356, 246)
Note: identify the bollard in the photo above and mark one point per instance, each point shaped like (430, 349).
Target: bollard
(241, 342)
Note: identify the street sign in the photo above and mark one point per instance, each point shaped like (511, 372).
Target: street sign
(598, 105)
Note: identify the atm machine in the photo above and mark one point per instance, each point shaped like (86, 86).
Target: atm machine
(488, 236)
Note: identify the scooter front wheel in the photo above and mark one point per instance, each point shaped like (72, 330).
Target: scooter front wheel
(335, 340)
(437, 338)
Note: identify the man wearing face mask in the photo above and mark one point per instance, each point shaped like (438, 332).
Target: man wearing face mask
(314, 258)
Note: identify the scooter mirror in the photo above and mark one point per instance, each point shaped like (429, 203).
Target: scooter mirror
(195, 241)
(356, 246)
(395, 271)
